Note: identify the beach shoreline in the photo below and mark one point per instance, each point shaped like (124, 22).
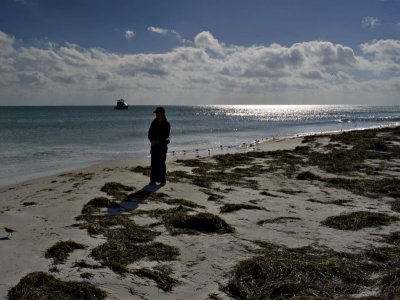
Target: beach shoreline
(278, 191)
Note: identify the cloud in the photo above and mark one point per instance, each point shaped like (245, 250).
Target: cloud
(164, 31)
(129, 34)
(6, 43)
(370, 22)
(206, 40)
(205, 71)
(157, 30)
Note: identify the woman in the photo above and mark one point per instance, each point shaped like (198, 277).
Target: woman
(159, 138)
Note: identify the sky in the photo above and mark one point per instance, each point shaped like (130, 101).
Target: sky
(184, 52)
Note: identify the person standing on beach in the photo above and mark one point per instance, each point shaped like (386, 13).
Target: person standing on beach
(159, 138)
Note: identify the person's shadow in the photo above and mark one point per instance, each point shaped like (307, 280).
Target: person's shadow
(131, 202)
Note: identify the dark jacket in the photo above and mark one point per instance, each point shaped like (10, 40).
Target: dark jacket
(159, 131)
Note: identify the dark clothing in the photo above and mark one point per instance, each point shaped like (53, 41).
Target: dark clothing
(159, 132)
(158, 167)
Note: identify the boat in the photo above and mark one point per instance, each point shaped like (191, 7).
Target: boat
(121, 104)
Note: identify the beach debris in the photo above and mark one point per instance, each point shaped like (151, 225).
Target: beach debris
(118, 254)
(307, 176)
(230, 207)
(358, 220)
(41, 285)
(302, 273)
(278, 220)
(140, 169)
(116, 189)
(60, 251)
(161, 277)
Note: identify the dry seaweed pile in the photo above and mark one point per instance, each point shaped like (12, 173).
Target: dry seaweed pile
(40, 285)
(60, 251)
(179, 220)
(348, 158)
(230, 207)
(126, 243)
(164, 281)
(358, 220)
(307, 273)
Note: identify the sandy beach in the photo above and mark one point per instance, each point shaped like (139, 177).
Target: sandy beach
(306, 217)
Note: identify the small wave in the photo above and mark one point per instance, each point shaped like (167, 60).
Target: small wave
(368, 119)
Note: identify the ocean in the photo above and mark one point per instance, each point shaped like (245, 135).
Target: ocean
(43, 140)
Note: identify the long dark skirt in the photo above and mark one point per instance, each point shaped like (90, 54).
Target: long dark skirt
(158, 167)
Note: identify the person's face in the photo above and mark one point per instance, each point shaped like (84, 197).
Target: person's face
(159, 115)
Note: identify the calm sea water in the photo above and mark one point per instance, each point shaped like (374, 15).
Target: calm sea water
(38, 141)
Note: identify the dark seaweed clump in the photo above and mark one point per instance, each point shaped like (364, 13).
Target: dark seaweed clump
(40, 285)
(304, 273)
(118, 254)
(116, 189)
(181, 222)
(161, 277)
(60, 251)
(358, 220)
(230, 207)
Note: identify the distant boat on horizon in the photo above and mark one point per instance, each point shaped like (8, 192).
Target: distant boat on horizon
(121, 104)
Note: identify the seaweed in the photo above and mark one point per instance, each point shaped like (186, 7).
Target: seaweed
(303, 273)
(358, 220)
(117, 190)
(178, 222)
(162, 279)
(118, 254)
(95, 204)
(307, 176)
(395, 206)
(41, 285)
(60, 251)
(277, 220)
(230, 207)
(144, 170)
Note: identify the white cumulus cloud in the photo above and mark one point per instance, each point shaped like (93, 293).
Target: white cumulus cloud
(207, 41)
(304, 72)
(129, 34)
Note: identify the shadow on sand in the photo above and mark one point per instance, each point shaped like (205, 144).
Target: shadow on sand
(4, 238)
(131, 202)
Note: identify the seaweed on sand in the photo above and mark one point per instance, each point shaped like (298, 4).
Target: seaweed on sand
(60, 251)
(368, 187)
(183, 202)
(395, 206)
(230, 207)
(277, 220)
(117, 255)
(192, 224)
(393, 238)
(95, 204)
(390, 285)
(307, 176)
(178, 220)
(161, 277)
(358, 220)
(144, 170)
(40, 285)
(304, 273)
(116, 189)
